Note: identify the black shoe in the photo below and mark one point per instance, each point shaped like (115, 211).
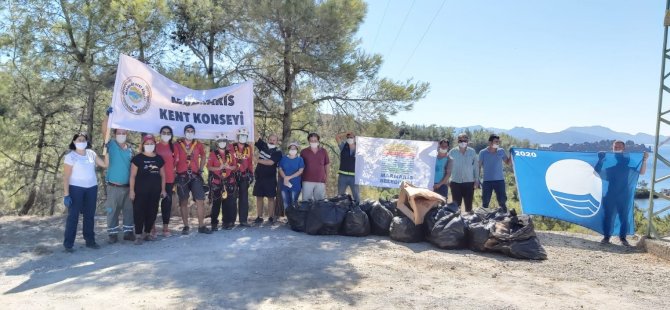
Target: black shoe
(204, 230)
(184, 231)
(245, 224)
(69, 250)
(113, 238)
(129, 236)
(624, 242)
(271, 220)
(228, 226)
(605, 241)
(258, 220)
(215, 228)
(93, 245)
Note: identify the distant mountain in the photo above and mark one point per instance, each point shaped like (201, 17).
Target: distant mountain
(570, 135)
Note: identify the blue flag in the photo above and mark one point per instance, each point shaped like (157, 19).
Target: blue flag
(594, 190)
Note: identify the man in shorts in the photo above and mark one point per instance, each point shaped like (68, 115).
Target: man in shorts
(190, 159)
(269, 156)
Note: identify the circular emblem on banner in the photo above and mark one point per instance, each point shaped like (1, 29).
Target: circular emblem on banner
(136, 95)
(575, 186)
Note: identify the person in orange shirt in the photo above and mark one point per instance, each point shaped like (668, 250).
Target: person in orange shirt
(222, 184)
(245, 175)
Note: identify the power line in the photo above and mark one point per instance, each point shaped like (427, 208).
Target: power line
(422, 36)
(401, 26)
(380, 24)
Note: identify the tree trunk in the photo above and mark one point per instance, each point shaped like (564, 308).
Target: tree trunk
(32, 195)
(52, 207)
(90, 109)
(287, 96)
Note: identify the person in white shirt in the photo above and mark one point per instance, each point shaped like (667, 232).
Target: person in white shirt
(80, 190)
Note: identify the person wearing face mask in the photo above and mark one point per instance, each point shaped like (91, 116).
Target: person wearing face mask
(291, 167)
(616, 199)
(265, 173)
(190, 159)
(165, 149)
(80, 190)
(491, 161)
(441, 180)
(244, 154)
(346, 175)
(118, 180)
(463, 169)
(147, 187)
(316, 169)
(222, 184)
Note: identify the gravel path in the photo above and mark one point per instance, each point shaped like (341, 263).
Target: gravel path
(274, 267)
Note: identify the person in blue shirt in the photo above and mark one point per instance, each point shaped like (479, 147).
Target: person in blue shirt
(290, 170)
(119, 154)
(491, 161)
(441, 180)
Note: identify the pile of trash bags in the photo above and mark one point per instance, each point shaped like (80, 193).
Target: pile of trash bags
(444, 225)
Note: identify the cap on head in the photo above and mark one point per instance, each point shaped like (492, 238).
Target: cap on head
(221, 137)
(297, 146)
(189, 126)
(148, 137)
(242, 131)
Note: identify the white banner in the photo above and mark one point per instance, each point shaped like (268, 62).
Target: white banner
(144, 101)
(387, 162)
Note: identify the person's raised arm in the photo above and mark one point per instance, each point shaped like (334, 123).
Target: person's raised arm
(643, 169)
(340, 137)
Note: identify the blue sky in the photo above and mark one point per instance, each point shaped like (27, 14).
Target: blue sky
(546, 65)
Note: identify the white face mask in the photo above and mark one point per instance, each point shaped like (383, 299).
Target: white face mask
(314, 144)
(350, 140)
(190, 135)
(121, 139)
(242, 139)
(222, 145)
(618, 151)
(293, 152)
(463, 144)
(495, 146)
(166, 138)
(271, 146)
(443, 151)
(81, 145)
(149, 148)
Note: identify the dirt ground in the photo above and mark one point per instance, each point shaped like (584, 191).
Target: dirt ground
(271, 267)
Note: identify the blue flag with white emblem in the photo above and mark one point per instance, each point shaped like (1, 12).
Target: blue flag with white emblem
(594, 190)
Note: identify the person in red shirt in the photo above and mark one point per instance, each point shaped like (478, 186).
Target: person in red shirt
(316, 169)
(245, 175)
(222, 165)
(165, 149)
(190, 159)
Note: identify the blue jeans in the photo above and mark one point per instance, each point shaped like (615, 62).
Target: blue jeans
(488, 187)
(343, 181)
(83, 201)
(289, 197)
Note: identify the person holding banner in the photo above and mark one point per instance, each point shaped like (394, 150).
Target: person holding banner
(190, 159)
(119, 154)
(463, 169)
(222, 165)
(165, 149)
(617, 199)
(441, 179)
(269, 156)
(244, 155)
(346, 176)
(80, 190)
(147, 187)
(491, 161)
(316, 169)
(290, 169)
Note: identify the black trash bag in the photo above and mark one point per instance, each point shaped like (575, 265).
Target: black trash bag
(491, 214)
(325, 218)
(390, 204)
(429, 220)
(380, 220)
(514, 228)
(343, 197)
(404, 230)
(448, 232)
(478, 233)
(356, 223)
(471, 218)
(528, 249)
(297, 215)
(366, 205)
(452, 207)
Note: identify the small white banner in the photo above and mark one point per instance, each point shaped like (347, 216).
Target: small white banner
(387, 162)
(144, 101)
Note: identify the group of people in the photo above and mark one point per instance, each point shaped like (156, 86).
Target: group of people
(137, 183)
